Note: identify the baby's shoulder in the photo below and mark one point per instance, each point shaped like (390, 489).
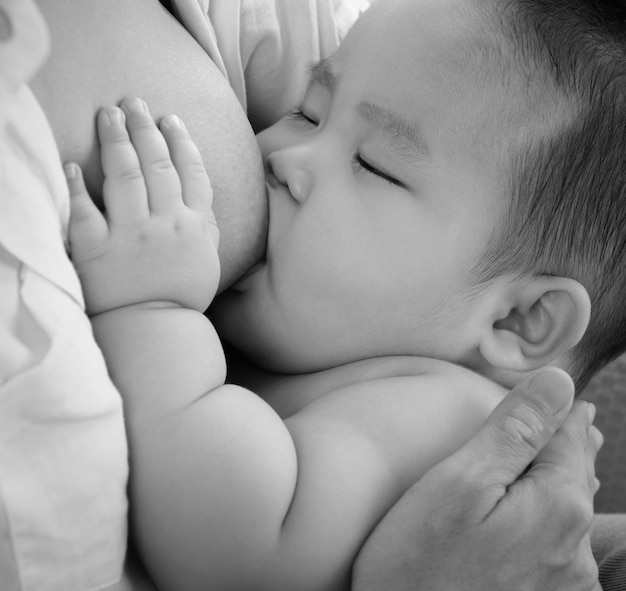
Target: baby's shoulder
(412, 411)
(414, 386)
(408, 380)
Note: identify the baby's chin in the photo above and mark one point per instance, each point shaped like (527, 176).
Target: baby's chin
(229, 314)
(268, 352)
(270, 356)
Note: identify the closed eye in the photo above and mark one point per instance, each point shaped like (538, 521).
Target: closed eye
(361, 166)
(358, 163)
(300, 115)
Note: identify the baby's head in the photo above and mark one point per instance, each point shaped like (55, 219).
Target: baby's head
(436, 193)
(567, 187)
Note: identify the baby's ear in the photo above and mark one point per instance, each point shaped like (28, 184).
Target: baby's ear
(545, 318)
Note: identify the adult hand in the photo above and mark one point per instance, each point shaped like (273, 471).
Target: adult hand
(511, 510)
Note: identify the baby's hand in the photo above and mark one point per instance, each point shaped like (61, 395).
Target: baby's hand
(157, 240)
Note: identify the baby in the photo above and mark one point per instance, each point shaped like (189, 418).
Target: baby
(445, 204)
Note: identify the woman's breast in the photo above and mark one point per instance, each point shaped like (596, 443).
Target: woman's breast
(105, 51)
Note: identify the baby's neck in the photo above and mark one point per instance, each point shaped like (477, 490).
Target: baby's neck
(288, 394)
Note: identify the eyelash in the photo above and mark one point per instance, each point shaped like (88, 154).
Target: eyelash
(358, 164)
(298, 115)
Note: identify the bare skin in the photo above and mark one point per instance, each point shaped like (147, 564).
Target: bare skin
(90, 68)
(105, 51)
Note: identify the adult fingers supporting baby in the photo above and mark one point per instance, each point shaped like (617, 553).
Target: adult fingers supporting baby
(513, 435)
(460, 524)
(124, 192)
(568, 456)
(87, 225)
(160, 175)
(562, 476)
(596, 441)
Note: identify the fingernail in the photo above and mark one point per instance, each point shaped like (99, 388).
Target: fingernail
(172, 121)
(135, 104)
(115, 116)
(70, 170)
(598, 438)
(596, 485)
(591, 409)
(555, 388)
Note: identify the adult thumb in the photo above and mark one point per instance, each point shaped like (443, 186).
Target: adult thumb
(517, 430)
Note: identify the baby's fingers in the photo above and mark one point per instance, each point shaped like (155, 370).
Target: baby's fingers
(124, 191)
(196, 185)
(160, 175)
(87, 225)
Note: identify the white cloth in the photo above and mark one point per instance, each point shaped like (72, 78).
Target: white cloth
(264, 47)
(63, 454)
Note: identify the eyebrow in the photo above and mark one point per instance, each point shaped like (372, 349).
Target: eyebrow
(321, 73)
(404, 136)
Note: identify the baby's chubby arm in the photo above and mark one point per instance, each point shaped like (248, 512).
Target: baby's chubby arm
(199, 448)
(149, 268)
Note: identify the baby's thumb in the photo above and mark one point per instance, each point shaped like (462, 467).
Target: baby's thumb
(87, 225)
(516, 431)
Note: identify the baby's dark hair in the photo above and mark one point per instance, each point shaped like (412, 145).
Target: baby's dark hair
(568, 210)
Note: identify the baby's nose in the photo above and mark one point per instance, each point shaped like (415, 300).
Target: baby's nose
(291, 172)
